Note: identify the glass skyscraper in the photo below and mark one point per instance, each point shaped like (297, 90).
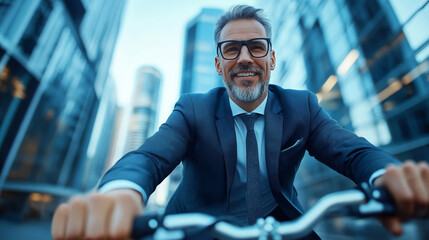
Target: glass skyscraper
(144, 107)
(57, 105)
(368, 63)
(199, 73)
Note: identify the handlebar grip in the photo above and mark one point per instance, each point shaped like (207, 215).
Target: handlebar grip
(379, 202)
(145, 225)
(382, 195)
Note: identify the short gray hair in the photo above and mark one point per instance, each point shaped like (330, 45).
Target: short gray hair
(242, 12)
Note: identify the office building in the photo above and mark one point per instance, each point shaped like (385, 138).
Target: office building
(57, 105)
(368, 63)
(199, 74)
(144, 107)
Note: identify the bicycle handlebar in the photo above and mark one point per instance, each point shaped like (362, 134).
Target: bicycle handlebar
(361, 203)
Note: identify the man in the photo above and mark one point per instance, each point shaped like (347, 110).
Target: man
(242, 145)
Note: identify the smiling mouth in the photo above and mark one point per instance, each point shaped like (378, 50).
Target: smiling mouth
(245, 74)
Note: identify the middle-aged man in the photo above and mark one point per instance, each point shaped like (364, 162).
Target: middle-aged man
(243, 145)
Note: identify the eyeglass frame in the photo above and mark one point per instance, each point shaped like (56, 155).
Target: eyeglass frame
(241, 46)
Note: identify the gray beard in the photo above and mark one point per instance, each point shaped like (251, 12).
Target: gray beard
(248, 94)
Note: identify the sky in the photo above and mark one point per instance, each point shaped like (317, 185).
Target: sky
(153, 33)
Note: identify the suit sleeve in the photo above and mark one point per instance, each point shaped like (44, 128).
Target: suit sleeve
(340, 149)
(160, 154)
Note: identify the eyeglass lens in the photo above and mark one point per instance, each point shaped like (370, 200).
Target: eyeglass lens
(256, 47)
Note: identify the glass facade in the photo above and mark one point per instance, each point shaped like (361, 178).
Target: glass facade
(54, 87)
(199, 73)
(368, 63)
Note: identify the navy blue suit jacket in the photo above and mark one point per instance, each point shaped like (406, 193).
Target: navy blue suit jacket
(201, 131)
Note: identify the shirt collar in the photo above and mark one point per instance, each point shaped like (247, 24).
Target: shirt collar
(237, 110)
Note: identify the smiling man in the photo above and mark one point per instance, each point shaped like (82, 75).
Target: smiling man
(240, 147)
(246, 72)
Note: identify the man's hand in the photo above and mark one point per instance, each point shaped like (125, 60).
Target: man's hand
(97, 216)
(409, 186)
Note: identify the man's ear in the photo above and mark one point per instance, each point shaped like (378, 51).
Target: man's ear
(217, 65)
(273, 60)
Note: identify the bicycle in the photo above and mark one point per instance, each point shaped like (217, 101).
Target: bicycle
(363, 202)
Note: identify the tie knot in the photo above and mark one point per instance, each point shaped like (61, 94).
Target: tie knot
(249, 120)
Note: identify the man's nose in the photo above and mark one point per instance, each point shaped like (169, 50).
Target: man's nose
(244, 57)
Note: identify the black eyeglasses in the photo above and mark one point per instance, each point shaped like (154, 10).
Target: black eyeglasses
(257, 47)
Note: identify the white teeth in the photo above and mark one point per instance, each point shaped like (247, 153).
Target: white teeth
(245, 74)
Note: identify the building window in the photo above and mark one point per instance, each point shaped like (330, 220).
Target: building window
(34, 29)
(76, 10)
(363, 12)
(422, 118)
(4, 5)
(404, 128)
(2, 52)
(17, 87)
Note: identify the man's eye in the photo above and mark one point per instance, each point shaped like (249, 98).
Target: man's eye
(257, 48)
(231, 49)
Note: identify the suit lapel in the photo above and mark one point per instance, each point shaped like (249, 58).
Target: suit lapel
(273, 138)
(226, 133)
